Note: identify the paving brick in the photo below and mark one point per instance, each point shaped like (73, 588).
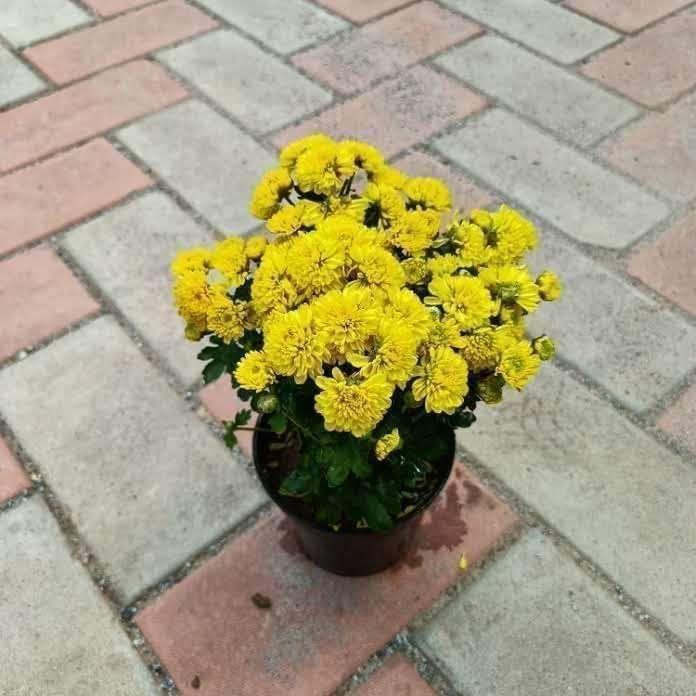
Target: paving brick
(25, 21)
(610, 330)
(106, 8)
(576, 109)
(44, 198)
(39, 296)
(465, 193)
(660, 150)
(361, 10)
(13, 480)
(680, 419)
(145, 481)
(533, 623)
(248, 82)
(548, 29)
(397, 677)
(126, 37)
(78, 112)
(353, 60)
(16, 80)
(127, 253)
(553, 180)
(653, 67)
(668, 264)
(210, 162)
(626, 15)
(396, 114)
(619, 496)
(284, 26)
(58, 635)
(321, 627)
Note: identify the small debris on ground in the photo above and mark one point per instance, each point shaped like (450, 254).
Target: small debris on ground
(196, 682)
(261, 601)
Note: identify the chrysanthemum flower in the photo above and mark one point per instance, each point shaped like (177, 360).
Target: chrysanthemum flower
(196, 259)
(291, 219)
(318, 169)
(270, 191)
(225, 317)
(414, 231)
(253, 371)
(389, 176)
(255, 246)
(416, 270)
(230, 259)
(192, 296)
(352, 405)
(289, 154)
(509, 236)
(518, 364)
(405, 306)
(375, 267)
(353, 154)
(471, 242)
(465, 298)
(428, 193)
(444, 264)
(272, 289)
(387, 444)
(550, 287)
(512, 285)
(480, 349)
(441, 381)
(382, 205)
(444, 332)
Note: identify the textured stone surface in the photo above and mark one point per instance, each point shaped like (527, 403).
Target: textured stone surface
(58, 635)
(13, 480)
(83, 110)
(574, 108)
(660, 150)
(39, 296)
(361, 10)
(680, 419)
(127, 253)
(207, 159)
(623, 499)
(533, 623)
(397, 677)
(653, 67)
(321, 627)
(126, 37)
(626, 15)
(396, 114)
(610, 330)
(668, 264)
(16, 79)
(25, 21)
(547, 28)
(284, 26)
(354, 60)
(145, 481)
(42, 199)
(254, 86)
(555, 181)
(111, 7)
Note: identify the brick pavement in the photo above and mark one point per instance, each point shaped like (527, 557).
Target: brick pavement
(131, 540)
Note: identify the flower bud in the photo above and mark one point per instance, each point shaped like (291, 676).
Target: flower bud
(544, 347)
(267, 403)
(549, 286)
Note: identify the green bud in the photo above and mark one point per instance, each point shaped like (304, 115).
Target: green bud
(544, 347)
(267, 403)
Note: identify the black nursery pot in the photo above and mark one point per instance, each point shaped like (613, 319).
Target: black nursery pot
(354, 552)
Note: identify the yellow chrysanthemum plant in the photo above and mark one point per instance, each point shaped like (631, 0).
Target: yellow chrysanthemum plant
(365, 326)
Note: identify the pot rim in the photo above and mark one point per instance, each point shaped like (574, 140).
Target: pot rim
(279, 500)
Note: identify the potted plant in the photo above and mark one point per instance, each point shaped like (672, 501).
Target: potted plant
(364, 329)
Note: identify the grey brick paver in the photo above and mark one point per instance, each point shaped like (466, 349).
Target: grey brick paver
(611, 489)
(612, 332)
(535, 625)
(284, 26)
(145, 481)
(548, 29)
(561, 101)
(26, 21)
(255, 87)
(555, 181)
(16, 80)
(57, 636)
(139, 281)
(208, 160)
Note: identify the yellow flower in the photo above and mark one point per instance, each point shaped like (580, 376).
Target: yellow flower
(289, 154)
(427, 192)
(192, 297)
(318, 169)
(550, 287)
(226, 317)
(291, 219)
(387, 444)
(255, 246)
(414, 231)
(512, 285)
(389, 176)
(375, 267)
(444, 332)
(480, 349)
(416, 270)
(315, 263)
(444, 264)
(253, 371)
(509, 237)
(382, 205)
(463, 297)
(272, 289)
(293, 345)
(353, 154)
(269, 192)
(441, 381)
(345, 229)
(405, 306)
(471, 242)
(544, 347)
(518, 364)
(352, 405)
(197, 259)
(229, 258)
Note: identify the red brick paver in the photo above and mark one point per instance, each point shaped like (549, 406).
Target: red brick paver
(126, 37)
(680, 419)
(89, 108)
(669, 265)
(321, 627)
(660, 150)
(627, 15)
(38, 297)
(396, 114)
(653, 67)
(13, 480)
(397, 677)
(381, 48)
(361, 10)
(107, 8)
(42, 199)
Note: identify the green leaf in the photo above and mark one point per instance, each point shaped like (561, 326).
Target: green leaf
(278, 422)
(242, 417)
(213, 370)
(230, 436)
(297, 485)
(356, 452)
(375, 513)
(338, 471)
(208, 353)
(244, 394)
